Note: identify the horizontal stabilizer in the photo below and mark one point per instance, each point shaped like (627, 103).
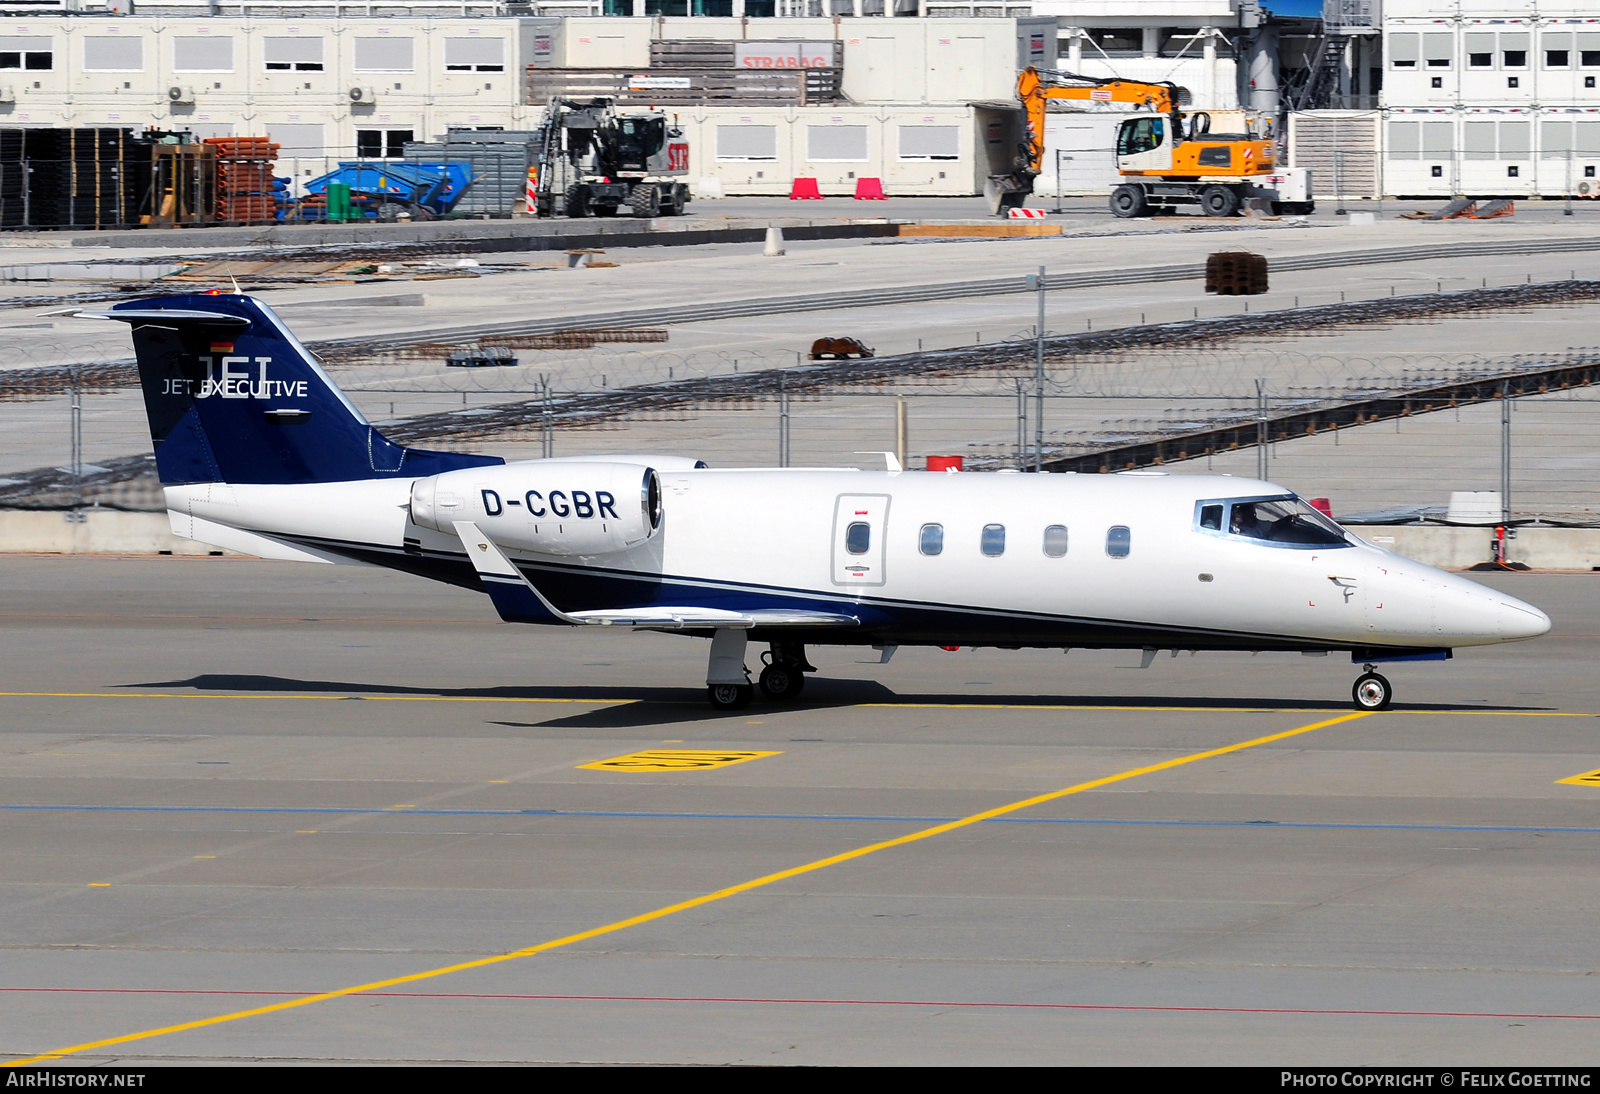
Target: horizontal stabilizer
(518, 601)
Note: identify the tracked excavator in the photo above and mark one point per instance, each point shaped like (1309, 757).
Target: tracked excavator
(1165, 157)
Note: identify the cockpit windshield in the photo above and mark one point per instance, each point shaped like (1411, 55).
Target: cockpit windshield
(1285, 521)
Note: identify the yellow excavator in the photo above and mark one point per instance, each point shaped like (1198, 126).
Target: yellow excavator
(1165, 157)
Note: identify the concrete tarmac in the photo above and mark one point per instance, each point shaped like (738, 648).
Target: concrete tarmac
(233, 785)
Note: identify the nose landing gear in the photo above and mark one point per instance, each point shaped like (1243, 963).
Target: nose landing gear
(1372, 691)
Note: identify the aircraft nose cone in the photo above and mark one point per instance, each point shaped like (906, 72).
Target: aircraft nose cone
(1519, 620)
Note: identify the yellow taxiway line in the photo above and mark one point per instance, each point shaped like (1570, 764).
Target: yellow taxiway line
(694, 902)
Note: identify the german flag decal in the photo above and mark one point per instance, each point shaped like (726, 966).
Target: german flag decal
(222, 347)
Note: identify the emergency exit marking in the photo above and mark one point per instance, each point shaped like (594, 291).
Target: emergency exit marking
(674, 759)
(1588, 778)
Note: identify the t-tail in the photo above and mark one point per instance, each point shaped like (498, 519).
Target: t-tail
(234, 397)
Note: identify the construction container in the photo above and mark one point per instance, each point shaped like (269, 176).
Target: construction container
(500, 160)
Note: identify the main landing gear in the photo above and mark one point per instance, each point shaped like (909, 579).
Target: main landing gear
(1371, 691)
(728, 684)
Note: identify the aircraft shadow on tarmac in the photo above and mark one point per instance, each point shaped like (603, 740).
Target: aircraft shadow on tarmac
(640, 706)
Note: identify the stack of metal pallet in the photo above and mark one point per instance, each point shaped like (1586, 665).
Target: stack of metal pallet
(500, 160)
(92, 178)
(1236, 273)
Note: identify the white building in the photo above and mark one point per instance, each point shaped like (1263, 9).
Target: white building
(329, 88)
(1490, 97)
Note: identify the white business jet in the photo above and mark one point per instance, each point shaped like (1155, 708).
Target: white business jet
(259, 452)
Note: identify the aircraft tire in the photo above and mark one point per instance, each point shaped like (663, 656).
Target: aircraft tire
(1127, 201)
(1372, 692)
(730, 696)
(782, 683)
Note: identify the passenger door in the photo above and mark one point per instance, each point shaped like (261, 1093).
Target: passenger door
(860, 522)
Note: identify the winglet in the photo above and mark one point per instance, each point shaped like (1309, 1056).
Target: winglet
(513, 594)
(891, 461)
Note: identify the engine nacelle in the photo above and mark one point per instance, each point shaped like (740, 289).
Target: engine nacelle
(556, 508)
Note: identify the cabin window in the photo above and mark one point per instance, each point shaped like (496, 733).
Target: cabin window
(1139, 135)
(858, 537)
(994, 540)
(1055, 541)
(1278, 522)
(1118, 541)
(930, 541)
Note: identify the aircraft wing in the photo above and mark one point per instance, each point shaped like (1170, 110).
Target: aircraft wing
(518, 601)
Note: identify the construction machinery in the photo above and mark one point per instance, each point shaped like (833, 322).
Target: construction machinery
(596, 161)
(1165, 157)
(384, 190)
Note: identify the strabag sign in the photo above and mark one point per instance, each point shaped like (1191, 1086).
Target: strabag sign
(783, 54)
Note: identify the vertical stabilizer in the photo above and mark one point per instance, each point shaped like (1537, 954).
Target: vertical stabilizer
(233, 396)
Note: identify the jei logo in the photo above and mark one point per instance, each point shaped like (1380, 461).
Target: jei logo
(235, 378)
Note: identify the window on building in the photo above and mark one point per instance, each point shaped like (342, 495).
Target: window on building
(113, 54)
(474, 54)
(384, 54)
(1514, 49)
(35, 54)
(1438, 81)
(1479, 48)
(1403, 49)
(836, 143)
(1122, 40)
(930, 142)
(202, 54)
(930, 540)
(1436, 171)
(1405, 142)
(1557, 46)
(1438, 49)
(1438, 140)
(1513, 81)
(1478, 140)
(749, 143)
(297, 139)
(993, 540)
(1055, 541)
(1588, 48)
(388, 144)
(292, 54)
(1119, 541)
